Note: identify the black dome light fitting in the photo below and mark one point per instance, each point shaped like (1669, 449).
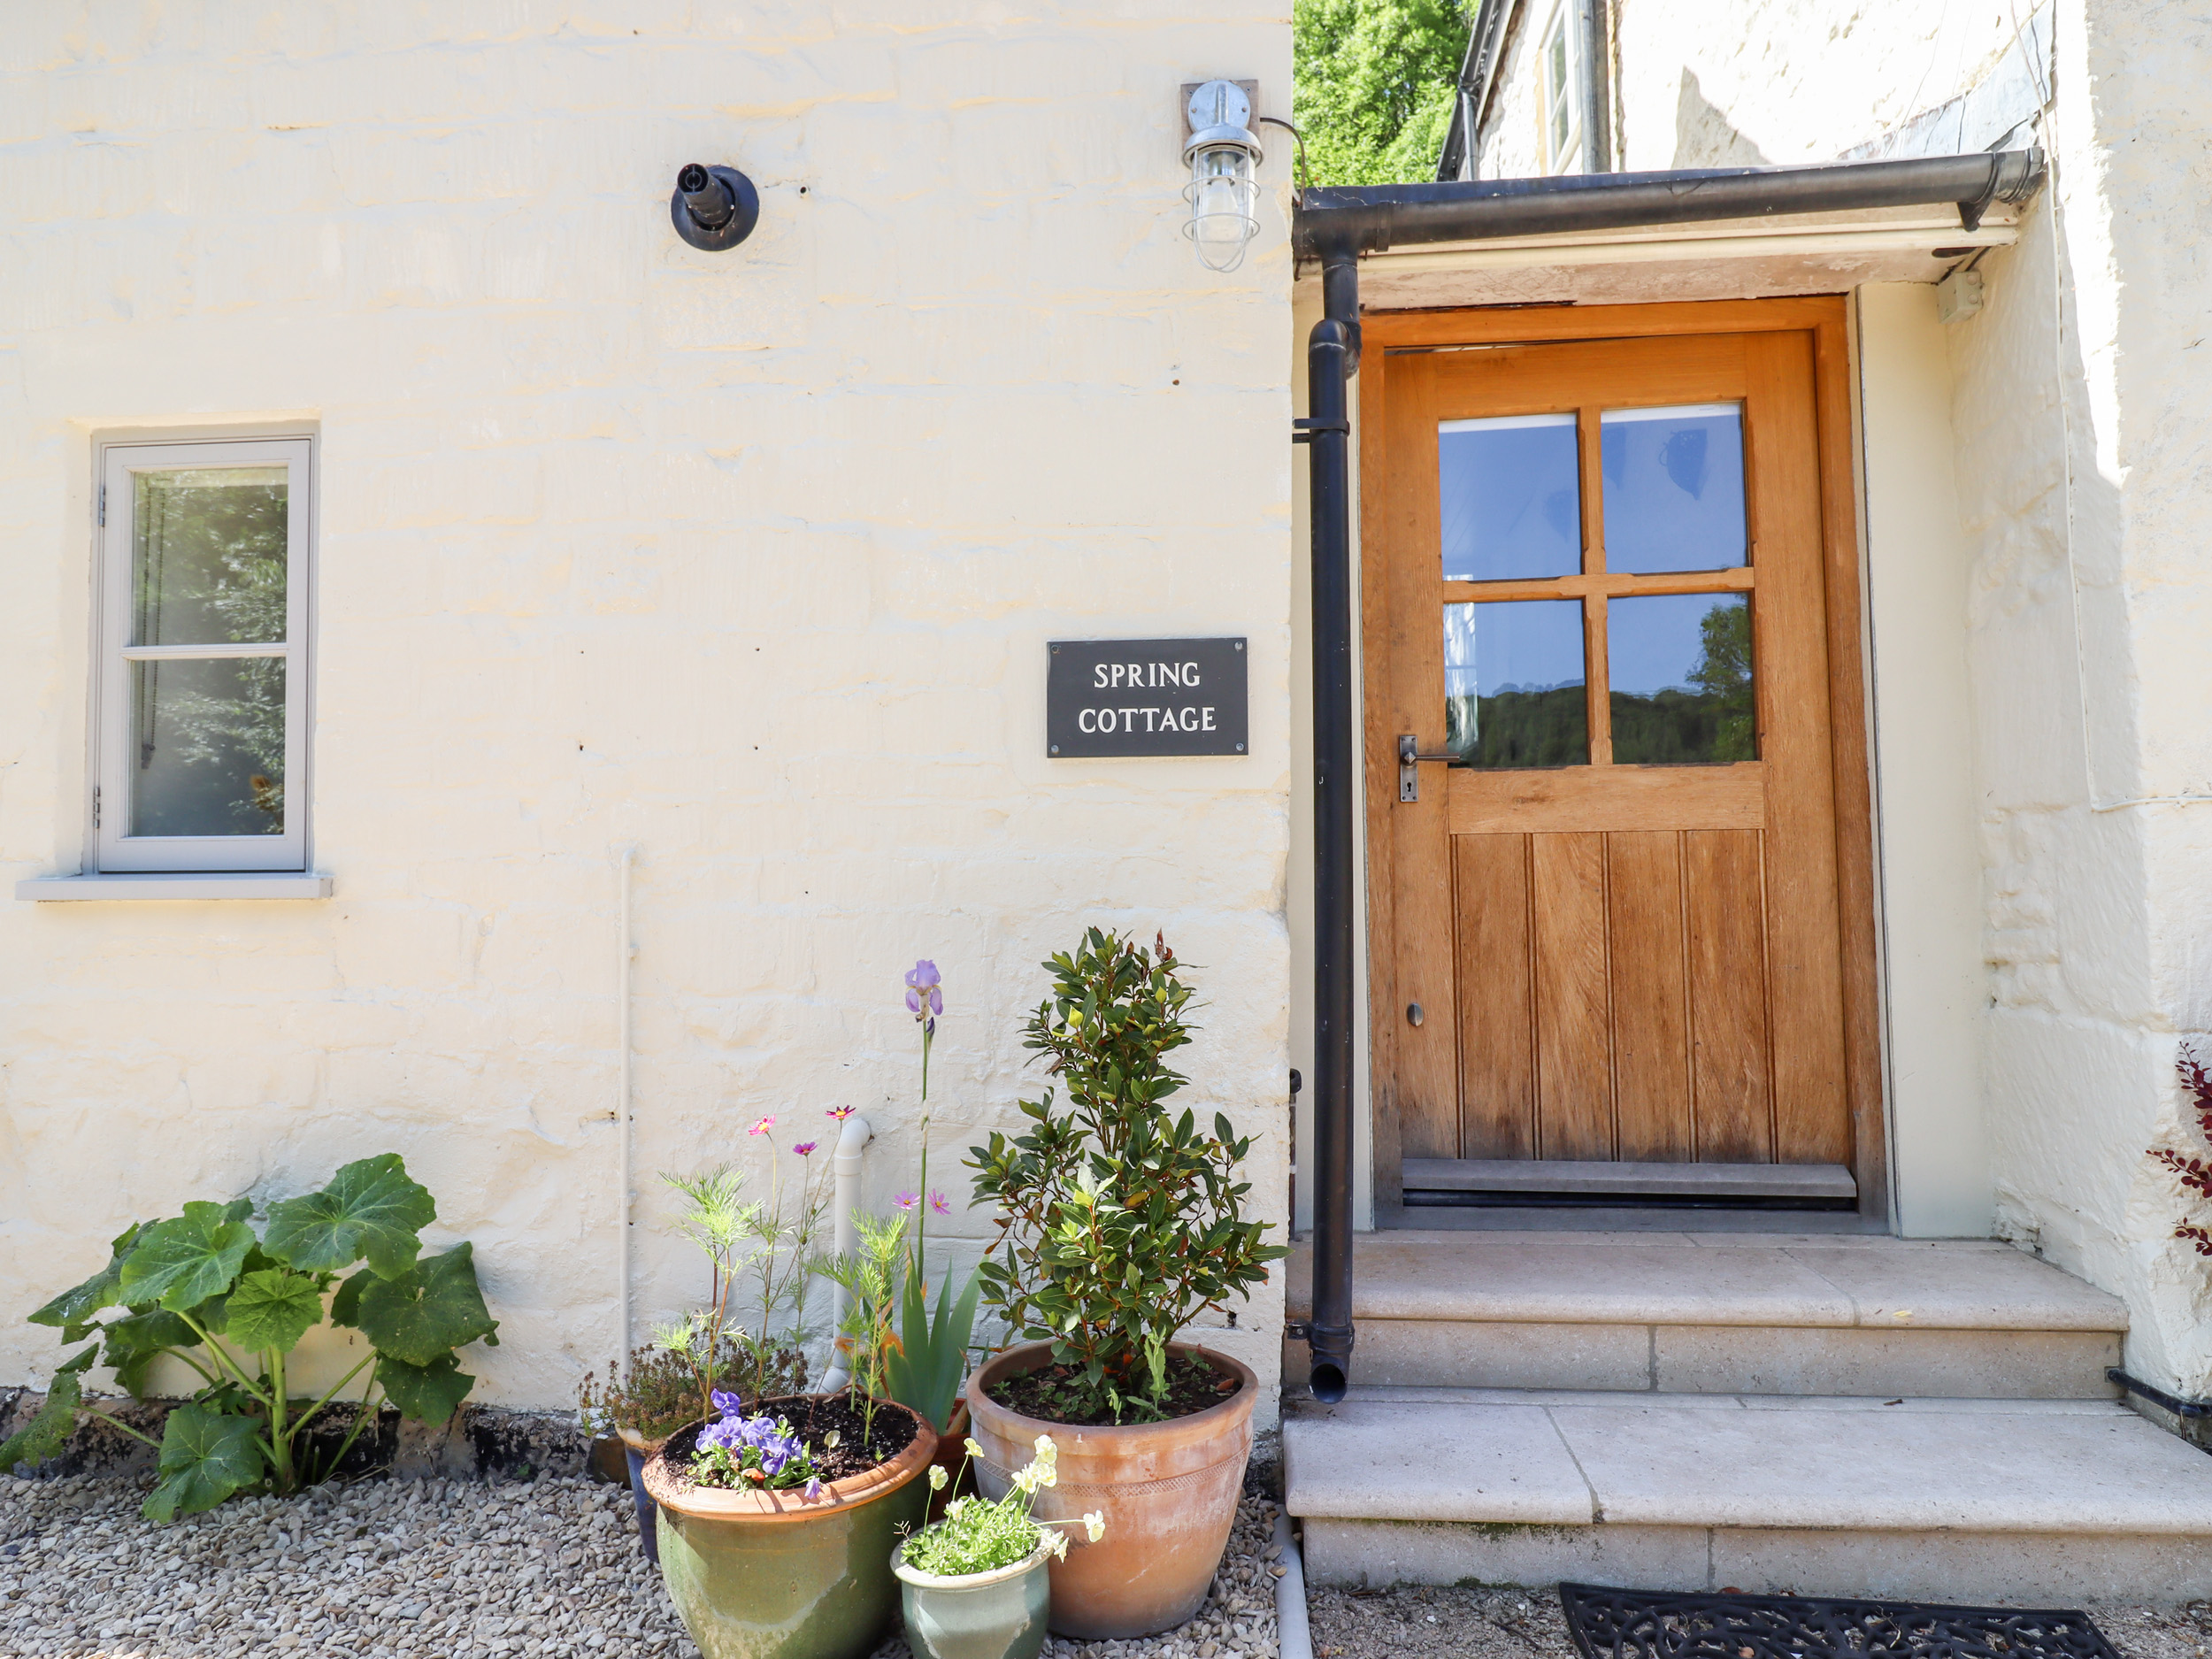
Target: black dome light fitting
(715, 208)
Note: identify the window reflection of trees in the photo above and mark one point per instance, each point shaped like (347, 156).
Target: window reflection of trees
(210, 566)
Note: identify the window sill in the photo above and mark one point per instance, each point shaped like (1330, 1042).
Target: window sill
(241, 884)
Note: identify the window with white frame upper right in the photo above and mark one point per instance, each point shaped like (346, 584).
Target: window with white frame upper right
(1561, 63)
(203, 671)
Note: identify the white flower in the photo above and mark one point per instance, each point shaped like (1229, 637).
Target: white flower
(937, 1476)
(1095, 1524)
(975, 1448)
(1059, 1545)
(1046, 1452)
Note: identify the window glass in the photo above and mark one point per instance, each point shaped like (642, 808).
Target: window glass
(1681, 686)
(1674, 492)
(1510, 495)
(207, 750)
(1513, 684)
(208, 554)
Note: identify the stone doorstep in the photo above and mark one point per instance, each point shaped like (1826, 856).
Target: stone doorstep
(1733, 1359)
(1688, 1280)
(2071, 1468)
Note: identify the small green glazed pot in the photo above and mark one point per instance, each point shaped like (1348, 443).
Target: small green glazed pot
(981, 1615)
(766, 1575)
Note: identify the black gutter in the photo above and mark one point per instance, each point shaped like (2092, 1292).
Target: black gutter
(1336, 227)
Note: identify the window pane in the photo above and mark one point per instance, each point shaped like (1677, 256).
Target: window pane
(1681, 678)
(1513, 684)
(1673, 487)
(207, 747)
(207, 556)
(1510, 498)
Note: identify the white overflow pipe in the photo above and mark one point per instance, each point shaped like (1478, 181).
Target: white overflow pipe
(846, 1163)
(626, 955)
(1293, 1637)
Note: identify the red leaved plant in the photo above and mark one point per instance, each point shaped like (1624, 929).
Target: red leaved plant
(2195, 1174)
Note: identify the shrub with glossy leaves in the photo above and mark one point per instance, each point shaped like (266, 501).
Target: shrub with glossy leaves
(230, 1303)
(1119, 1220)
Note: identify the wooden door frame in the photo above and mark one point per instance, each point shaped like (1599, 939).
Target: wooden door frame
(1823, 318)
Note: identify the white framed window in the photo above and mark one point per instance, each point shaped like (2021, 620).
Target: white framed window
(1561, 64)
(202, 671)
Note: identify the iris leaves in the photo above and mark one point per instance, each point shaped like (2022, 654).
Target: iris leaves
(203, 1288)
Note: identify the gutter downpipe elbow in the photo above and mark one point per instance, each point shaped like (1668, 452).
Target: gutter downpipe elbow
(1331, 358)
(845, 1163)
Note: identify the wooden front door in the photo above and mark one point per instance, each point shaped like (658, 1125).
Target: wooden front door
(1613, 578)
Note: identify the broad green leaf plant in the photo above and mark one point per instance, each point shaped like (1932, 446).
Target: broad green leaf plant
(1118, 1221)
(206, 1289)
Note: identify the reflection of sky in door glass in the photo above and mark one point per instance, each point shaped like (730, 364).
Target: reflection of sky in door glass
(1673, 487)
(1680, 667)
(1510, 498)
(1513, 684)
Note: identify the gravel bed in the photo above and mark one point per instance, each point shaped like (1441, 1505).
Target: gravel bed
(1454, 1623)
(421, 1569)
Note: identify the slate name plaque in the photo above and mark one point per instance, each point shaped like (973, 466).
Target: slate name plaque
(1125, 697)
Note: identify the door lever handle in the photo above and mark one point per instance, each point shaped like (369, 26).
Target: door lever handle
(1409, 759)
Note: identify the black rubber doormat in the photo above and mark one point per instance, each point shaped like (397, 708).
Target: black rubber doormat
(1651, 1624)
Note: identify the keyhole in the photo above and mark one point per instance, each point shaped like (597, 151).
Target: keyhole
(1414, 1016)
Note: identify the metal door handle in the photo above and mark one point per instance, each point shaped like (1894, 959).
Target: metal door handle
(1409, 759)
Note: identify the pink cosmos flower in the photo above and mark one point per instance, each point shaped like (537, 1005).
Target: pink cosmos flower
(762, 1127)
(937, 1202)
(907, 1200)
(805, 1148)
(841, 1112)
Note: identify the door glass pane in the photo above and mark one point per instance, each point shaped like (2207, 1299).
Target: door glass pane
(1673, 487)
(1681, 678)
(1513, 684)
(1511, 499)
(207, 555)
(207, 753)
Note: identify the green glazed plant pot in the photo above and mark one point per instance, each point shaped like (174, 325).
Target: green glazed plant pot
(997, 1615)
(766, 1575)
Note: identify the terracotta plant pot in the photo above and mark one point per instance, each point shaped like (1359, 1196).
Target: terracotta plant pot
(637, 1451)
(980, 1616)
(765, 1575)
(951, 1453)
(1169, 1490)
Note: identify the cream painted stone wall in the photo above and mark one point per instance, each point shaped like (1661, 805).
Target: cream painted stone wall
(2082, 415)
(748, 560)
(1741, 83)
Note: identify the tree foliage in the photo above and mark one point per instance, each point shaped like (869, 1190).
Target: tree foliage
(1372, 85)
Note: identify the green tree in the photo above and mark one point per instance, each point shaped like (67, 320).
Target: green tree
(1373, 84)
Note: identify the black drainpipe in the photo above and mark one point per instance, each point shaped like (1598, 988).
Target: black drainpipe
(1336, 227)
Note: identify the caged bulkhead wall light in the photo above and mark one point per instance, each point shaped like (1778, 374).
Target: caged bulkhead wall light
(1222, 155)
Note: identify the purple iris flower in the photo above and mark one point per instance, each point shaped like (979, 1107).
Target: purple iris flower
(922, 985)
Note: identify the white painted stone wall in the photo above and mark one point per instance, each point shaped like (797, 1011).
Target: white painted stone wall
(1741, 83)
(747, 559)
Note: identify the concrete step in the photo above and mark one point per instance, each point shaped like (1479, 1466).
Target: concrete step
(1966, 1501)
(1720, 1313)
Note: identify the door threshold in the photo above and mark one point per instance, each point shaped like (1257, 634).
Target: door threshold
(1624, 1218)
(1564, 1181)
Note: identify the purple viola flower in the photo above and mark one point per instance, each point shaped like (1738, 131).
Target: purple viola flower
(922, 985)
(813, 1493)
(728, 1404)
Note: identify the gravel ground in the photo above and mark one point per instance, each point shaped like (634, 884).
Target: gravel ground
(419, 1569)
(1450, 1623)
